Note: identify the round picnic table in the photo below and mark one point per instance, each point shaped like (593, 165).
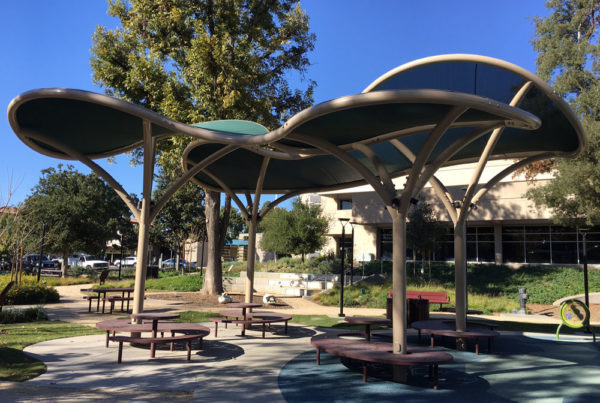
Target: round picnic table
(154, 317)
(368, 322)
(244, 306)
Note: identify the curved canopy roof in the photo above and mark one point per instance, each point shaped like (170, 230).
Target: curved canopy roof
(410, 120)
(405, 104)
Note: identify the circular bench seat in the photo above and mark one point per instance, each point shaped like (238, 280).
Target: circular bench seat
(379, 352)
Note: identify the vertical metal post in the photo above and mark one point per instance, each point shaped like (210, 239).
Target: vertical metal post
(122, 257)
(352, 257)
(399, 282)
(39, 273)
(585, 270)
(460, 275)
(343, 221)
(252, 224)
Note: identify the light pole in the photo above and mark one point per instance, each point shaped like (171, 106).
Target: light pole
(121, 260)
(343, 221)
(583, 231)
(352, 256)
(39, 273)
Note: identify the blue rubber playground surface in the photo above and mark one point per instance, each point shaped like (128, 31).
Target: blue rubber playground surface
(521, 368)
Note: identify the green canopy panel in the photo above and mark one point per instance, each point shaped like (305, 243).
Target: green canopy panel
(98, 126)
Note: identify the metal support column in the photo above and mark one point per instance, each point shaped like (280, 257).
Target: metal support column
(460, 274)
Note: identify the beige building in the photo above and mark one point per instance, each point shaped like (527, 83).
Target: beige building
(505, 228)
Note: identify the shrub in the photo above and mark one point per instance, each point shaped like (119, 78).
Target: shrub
(29, 291)
(32, 314)
(77, 271)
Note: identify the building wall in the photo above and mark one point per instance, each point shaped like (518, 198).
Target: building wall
(502, 212)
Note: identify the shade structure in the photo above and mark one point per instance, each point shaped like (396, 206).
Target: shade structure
(427, 114)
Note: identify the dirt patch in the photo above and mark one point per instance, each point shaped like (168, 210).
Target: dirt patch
(552, 311)
(211, 301)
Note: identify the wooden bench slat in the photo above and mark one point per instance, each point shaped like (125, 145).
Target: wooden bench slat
(158, 340)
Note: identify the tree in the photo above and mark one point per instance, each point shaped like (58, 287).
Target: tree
(202, 60)
(80, 211)
(422, 231)
(567, 42)
(299, 231)
(276, 232)
(182, 218)
(236, 223)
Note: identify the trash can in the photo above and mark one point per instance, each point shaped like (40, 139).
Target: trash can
(418, 309)
(151, 271)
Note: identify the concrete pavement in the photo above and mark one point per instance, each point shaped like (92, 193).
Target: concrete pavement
(229, 368)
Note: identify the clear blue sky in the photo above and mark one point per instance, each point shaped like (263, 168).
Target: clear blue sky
(47, 44)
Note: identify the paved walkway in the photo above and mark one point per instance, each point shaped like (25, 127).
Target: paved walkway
(229, 368)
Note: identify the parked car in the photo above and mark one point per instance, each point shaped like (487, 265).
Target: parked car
(170, 263)
(88, 261)
(128, 261)
(31, 263)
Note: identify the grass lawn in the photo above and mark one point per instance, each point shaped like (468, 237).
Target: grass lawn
(17, 366)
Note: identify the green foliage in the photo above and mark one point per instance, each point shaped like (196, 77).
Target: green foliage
(318, 265)
(182, 217)
(422, 230)
(567, 42)
(298, 231)
(81, 212)
(192, 282)
(205, 60)
(29, 291)
(15, 365)
(32, 314)
(491, 288)
(236, 224)
(275, 228)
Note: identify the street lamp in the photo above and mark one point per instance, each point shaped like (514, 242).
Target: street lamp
(352, 255)
(343, 221)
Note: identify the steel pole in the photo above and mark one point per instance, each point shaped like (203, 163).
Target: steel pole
(460, 275)
(121, 260)
(352, 258)
(341, 314)
(585, 271)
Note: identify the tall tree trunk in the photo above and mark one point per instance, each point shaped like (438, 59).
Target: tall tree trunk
(65, 263)
(213, 278)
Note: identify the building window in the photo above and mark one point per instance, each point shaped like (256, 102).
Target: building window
(548, 244)
(385, 244)
(480, 244)
(345, 204)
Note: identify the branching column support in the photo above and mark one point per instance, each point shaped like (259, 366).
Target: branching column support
(144, 219)
(460, 236)
(252, 224)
